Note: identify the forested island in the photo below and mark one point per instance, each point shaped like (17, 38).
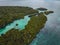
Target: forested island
(9, 14)
(25, 36)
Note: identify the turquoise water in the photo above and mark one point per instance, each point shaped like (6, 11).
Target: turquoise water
(21, 25)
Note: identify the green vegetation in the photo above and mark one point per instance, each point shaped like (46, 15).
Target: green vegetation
(42, 9)
(10, 13)
(48, 12)
(24, 37)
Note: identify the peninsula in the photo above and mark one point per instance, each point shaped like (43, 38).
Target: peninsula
(25, 36)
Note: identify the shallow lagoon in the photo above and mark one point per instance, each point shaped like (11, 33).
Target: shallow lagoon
(21, 25)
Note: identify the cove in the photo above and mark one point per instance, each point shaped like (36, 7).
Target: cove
(21, 25)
